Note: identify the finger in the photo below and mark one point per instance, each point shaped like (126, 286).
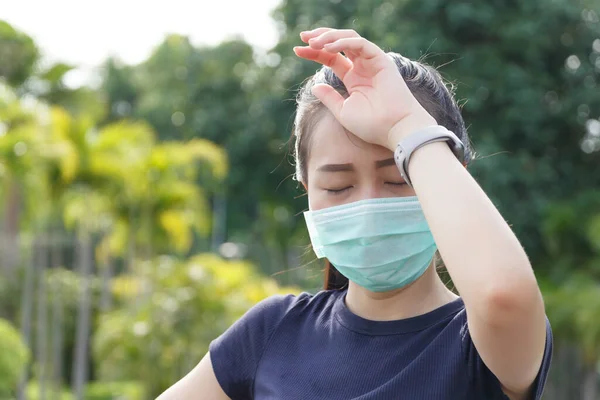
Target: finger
(337, 62)
(358, 45)
(351, 55)
(330, 97)
(307, 35)
(331, 36)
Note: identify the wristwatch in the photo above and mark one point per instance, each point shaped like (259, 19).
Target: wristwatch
(423, 137)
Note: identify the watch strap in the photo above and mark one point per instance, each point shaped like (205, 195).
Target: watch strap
(423, 137)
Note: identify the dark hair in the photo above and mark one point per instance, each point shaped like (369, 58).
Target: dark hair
(425, 83)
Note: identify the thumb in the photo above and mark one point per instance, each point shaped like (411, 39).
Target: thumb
(330, 97)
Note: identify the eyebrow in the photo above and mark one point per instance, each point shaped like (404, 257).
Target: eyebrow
(350, 167)
(385, 163)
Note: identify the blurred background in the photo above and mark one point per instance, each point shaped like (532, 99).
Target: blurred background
(146, 180)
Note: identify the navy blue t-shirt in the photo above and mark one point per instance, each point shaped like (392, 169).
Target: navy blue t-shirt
(313, 347)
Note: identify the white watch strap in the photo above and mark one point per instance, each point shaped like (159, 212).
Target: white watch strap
(423, 137)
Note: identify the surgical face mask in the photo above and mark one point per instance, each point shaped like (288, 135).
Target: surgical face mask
(379, 244)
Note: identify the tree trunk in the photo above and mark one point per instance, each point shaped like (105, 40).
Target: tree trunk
(57, 344)
(590, 383)
(57, 324)
(42, 316)
(10, 234)
(27, 310)
(80, 358)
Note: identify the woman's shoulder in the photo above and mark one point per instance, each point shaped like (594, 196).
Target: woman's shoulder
(279, 305)
(236, 353)
(257, 325)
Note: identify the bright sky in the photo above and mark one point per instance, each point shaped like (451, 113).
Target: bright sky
(85, 33)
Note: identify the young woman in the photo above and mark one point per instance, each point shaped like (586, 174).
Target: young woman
(381, 149)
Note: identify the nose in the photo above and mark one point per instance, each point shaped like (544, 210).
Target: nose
(370, 191)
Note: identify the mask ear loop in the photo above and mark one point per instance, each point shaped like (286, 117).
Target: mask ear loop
(334, 280)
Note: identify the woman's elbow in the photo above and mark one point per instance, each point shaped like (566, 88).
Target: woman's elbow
(513, 297)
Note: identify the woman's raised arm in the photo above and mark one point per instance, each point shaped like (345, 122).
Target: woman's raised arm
(200, 384)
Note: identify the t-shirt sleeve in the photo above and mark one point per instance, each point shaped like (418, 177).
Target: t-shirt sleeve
(487, 383)
(236, 353)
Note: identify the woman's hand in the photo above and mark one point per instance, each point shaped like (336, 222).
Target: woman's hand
(380, 108)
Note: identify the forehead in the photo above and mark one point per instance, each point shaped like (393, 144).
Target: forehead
(331, 144)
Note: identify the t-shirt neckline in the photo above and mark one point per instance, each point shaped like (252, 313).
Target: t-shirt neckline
(413, 324)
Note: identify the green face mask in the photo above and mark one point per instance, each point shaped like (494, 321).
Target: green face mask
(379, 244)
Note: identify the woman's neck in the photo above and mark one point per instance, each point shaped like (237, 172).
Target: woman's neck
(422, 296)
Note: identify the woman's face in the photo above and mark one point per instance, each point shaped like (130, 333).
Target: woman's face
(342, 168)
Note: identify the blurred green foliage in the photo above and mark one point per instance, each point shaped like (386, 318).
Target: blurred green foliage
(187, 304)
(14, 355)
(94, 391)
(115, 390)
(33, 392)
(18, 53)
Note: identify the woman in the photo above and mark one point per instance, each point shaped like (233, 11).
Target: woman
(381, 148)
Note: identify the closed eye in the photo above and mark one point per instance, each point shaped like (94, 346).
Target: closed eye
(396, 183)
(338, 191)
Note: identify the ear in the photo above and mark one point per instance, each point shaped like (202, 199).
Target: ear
(304, 185)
